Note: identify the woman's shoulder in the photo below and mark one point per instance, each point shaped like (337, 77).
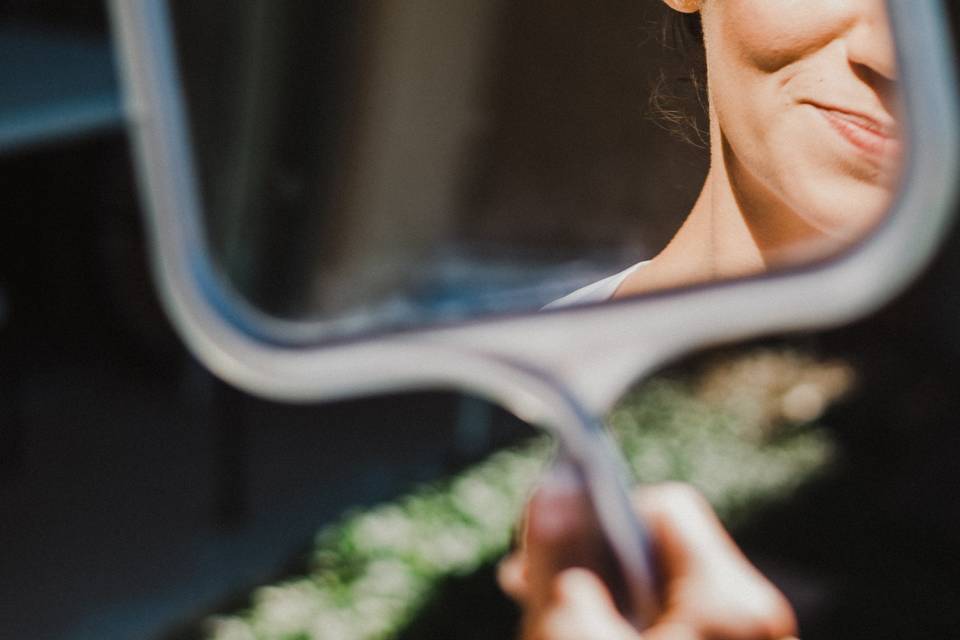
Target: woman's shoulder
(598, 291)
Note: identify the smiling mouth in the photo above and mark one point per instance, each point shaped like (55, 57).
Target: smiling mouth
(868, 135)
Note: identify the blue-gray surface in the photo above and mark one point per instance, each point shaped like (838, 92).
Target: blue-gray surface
(55, 85)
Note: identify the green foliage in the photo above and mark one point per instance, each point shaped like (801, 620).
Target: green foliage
(374, 569)
(666, 433)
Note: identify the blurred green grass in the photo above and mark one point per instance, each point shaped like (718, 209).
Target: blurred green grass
(742, 428)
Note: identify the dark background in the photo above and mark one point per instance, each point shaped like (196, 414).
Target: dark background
(138, 493)
(530, 140)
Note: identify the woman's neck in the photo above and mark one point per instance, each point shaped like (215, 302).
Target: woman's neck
(736, 228)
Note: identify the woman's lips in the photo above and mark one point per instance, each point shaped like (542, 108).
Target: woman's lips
(863, 132)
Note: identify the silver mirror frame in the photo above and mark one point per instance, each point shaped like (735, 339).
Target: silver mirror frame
(595, 352)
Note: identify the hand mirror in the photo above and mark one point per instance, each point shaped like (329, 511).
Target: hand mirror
(536, 208)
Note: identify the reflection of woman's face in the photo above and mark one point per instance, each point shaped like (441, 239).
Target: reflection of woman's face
(803, 94)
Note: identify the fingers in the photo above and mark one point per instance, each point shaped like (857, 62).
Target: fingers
(688, 534)
(512, 578)
(558, 528)
(709, 585)
(709, 588)
(579, 608)
(555, 515)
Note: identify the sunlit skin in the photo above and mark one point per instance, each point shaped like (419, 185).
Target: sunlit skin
(804, 144)
(804, 159)
(709, 589)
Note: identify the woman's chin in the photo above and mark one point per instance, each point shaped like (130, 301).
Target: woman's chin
(843, 208)
(846, 224)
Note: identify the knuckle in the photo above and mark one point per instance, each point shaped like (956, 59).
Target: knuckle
(685, 494)
(766, 616)
(670, 498)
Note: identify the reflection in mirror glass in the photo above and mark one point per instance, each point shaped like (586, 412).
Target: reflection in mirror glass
(383, 165)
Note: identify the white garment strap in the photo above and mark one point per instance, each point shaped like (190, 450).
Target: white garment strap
(599, 291)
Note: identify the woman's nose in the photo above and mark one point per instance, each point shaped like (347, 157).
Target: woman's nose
(870, 39)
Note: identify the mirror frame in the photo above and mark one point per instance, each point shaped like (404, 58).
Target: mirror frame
(594, 351)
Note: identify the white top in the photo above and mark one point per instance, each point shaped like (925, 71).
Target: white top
(599, 291)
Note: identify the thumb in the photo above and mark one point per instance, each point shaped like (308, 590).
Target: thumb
(555, 516)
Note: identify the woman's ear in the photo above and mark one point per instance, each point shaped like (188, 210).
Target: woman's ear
(684, 6)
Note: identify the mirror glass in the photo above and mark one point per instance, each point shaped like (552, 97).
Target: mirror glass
(382, 165)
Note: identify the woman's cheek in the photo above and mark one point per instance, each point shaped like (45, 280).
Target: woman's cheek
(809, 178)
(770, 34)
